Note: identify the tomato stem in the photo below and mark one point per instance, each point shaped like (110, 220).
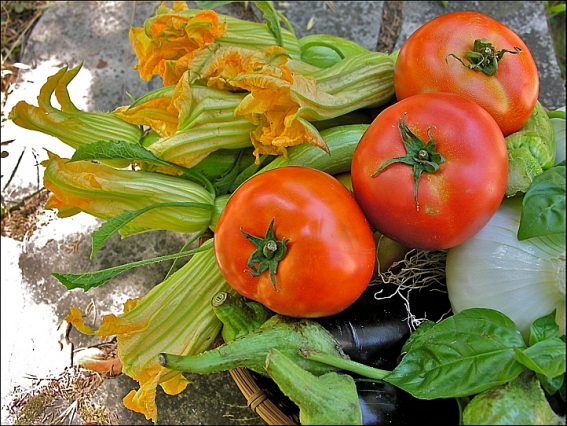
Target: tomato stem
(269, 251)
(423, 157)
(484, 57)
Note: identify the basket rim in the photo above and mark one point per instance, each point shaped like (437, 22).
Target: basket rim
(258, 399)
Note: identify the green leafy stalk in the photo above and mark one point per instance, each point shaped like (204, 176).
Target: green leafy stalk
(239, 317)
(250, 351)
(89, 280)
(115, 223)
(344, 364)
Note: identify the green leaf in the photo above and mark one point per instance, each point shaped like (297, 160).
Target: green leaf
(114, 150)
(273, 20)
(209, 5)
(546, 357)
(420, 331)
(556, 8)
(543, 210)
(114, 223)
(460, 356)
(553, 384)
(544, 328)
(89, 280)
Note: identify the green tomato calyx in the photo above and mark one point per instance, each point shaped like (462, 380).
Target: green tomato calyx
(423, 157)
(484, 57)
(269, 251)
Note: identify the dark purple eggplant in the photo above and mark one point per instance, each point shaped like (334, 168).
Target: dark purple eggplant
(381, 404)
(384, 404)
(373, 331)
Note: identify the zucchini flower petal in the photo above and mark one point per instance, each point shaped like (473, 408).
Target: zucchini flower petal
(170, 36)
(282, 102)
(104, 192)
(69, 124)
(155, 110)
(203, 118)
(206, 124)
(170, 39)
(176, 316)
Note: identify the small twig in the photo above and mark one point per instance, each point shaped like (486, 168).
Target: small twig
(15, 169)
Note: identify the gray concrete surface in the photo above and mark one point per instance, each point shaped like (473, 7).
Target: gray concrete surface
(96, 33)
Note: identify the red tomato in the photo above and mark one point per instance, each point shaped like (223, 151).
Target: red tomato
(325, 243)
(425, 64)
(443, 208)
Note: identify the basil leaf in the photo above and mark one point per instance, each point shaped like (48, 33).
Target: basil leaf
(420, 331)
(546, 357)
(544, 328)
(551, 385)
(462, 355)
(543, 210)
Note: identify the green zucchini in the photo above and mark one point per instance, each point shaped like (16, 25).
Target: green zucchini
(341, 142)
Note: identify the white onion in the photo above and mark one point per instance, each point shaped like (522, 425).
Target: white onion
(525, 280)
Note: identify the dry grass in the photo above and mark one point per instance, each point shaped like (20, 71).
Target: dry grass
(61, 400)
(18, 19)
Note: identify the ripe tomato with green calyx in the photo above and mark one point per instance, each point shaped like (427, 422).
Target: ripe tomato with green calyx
(430, 171)
(295, 240)
(475, 56)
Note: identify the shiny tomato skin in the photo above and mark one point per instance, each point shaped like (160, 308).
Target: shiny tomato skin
(456, 201)
(330, 253)
(423, 66)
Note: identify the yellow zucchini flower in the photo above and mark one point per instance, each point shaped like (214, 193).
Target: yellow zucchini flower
(170, 36)
(203, 118)
(176, 316)
(69, 124)
(168, 40)
(282, 102)
(103, 191)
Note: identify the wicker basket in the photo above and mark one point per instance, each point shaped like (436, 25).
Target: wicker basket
(265, 398)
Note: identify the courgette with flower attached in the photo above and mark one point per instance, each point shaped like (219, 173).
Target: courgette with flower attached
(178, 316)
